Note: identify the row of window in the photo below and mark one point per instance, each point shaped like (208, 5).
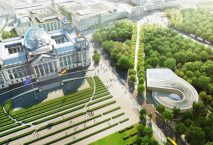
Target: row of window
(51, 26)
(68, 60)
(13, 50)
(18, 72)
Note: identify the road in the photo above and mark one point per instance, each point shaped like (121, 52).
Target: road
(119, 83)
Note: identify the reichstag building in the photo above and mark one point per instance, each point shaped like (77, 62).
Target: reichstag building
(40, 54)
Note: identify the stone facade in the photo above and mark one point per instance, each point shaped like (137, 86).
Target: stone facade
(40, 54)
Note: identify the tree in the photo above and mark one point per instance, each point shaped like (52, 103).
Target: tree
(167, 115)
(209, 143)
(195, 135)
(140, 129)
(148, 141)
(124, 62)
(132, 79)
(176, 112)
(180, 128)
(143, 112)
(6, 34)
(140, 88)
(160, 108)
(148, 132)
(187, 115)
(199, 110)
(204, 81)
(142, 116)
(96, 57)
(170, 63)
(150, 115)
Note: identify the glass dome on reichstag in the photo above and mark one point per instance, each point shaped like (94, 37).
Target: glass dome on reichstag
(36, 37)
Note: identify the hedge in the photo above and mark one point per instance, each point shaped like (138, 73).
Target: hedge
(61, 121)
(17, 137)
(5, 119)
(7, 123)
(100, 91)
(116, 116)
(124, 120)
(88, 127)
(91, 134)
(54, 111)
(60, 130)
(101, 106)
(10, 126)
(71, 117)
(50, 107)
(112, 110)
(58, 115)
(100, 100)
(53, 102)
(100, 95)
(127, 128)
(14, 130)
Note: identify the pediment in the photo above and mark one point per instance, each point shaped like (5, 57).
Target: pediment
(43, 58)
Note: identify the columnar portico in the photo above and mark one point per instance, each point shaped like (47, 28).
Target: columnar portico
(41, 54)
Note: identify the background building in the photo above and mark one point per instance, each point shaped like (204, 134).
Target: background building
(86, 14)
(89, 14)
(42, 16)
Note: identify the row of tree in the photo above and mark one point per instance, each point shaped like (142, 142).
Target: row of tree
(96, 57)
(193, 21)
(192, 61)
(140, 66)
(145, 133)
(6, 34)
(118, 41)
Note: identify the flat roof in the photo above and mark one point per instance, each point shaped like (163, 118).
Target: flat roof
(39, 14)
(86, 8)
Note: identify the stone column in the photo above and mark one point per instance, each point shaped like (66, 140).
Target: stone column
(82, 61)
(35, 70)
(53, 66)
(39, 70)
(12, 73)
(71, 60)
(44, 69)
(57, 66)
(67, 59)
(48, 67)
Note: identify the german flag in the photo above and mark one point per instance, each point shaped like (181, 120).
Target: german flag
(63, 71)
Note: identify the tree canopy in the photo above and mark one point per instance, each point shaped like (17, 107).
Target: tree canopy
(193, 21)
(190, 60)
(117, 41)
(96, 57)
(6, 34)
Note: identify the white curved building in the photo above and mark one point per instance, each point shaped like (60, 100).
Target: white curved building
(170, 90)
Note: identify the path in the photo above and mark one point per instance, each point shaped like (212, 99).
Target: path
(136, 52)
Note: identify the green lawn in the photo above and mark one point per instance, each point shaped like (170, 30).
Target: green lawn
(113, 139)
(36, 114)
(117, 138)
